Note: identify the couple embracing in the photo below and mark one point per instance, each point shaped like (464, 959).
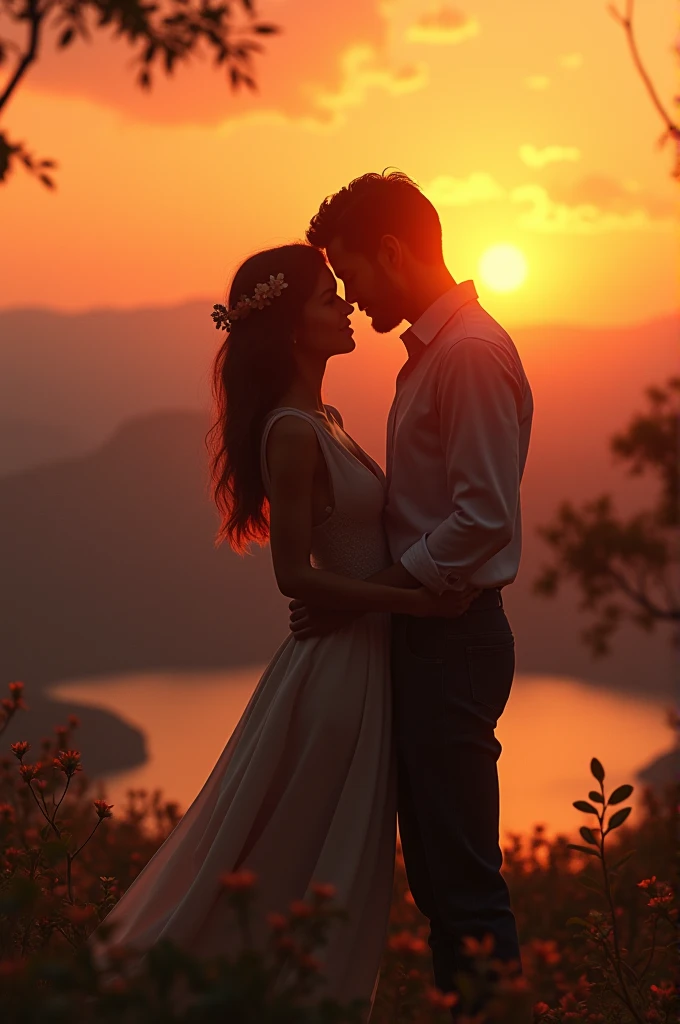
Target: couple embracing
(383, 701)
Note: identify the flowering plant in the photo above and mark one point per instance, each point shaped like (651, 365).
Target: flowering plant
(262, 296)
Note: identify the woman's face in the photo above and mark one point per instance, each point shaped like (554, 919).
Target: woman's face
(324, 328)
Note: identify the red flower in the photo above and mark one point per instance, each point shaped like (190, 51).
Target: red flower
(299, 908)
(103, 809)
(28, 772)
(68, 761)
(324, 891)
(647, 882)
(476, 948)
(405, 942)
(308, 963)
(238, 881)
(540, 1009)
(79, 915)
(440, 1000)
(19, 749)
(7, 813)
(277, 922)
(73, 721)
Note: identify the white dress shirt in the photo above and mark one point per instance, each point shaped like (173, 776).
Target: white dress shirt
(457, 441)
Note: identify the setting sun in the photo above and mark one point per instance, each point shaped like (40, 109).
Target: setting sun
(503, 268)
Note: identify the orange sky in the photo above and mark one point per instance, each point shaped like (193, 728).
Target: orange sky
(523, 121)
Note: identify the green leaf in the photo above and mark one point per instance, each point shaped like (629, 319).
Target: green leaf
(584, 849)
(579, 921)
(587, 834)
(618, 818)
(597, 769)
(583, 805)
(620, 794)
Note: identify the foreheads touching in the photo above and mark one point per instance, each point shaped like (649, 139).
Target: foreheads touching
(377, 233)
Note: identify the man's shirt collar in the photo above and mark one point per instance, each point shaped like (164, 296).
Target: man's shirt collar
(429, 324)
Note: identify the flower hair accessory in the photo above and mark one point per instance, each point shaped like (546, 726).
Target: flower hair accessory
(262, 296)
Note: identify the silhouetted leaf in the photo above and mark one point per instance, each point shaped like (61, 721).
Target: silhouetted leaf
(597, 798)
(587, 834)
(591, 884)
(618, 818)
(583, 805)
(620, 794)
(597, 769)
(66, 37)
(584, 849)
(622, 861)
(46, 180)
(266, 30)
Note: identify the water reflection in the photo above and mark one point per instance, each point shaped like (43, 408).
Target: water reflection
(550, 730)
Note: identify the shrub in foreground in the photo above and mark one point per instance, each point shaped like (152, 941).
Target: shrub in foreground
(597, 919)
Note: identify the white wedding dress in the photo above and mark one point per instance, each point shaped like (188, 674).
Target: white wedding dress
(304, 790)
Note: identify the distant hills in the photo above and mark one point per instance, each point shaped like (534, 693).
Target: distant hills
(106, 526)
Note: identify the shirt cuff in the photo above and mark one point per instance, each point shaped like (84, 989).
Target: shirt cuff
(419, 562)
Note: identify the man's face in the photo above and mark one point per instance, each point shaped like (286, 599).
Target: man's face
(368, 286)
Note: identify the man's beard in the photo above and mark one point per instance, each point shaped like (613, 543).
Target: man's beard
(388, 315)
(383, 323)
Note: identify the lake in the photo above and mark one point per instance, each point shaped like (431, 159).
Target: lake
(550, 730)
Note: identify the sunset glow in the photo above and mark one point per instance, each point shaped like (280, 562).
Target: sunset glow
(503, 268)
(160, 194)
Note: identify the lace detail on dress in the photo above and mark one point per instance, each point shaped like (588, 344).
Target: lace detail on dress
(351, 548)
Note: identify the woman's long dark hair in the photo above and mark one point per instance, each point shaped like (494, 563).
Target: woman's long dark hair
(252, 371)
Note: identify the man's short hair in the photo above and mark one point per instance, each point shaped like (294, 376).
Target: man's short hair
(375, 205)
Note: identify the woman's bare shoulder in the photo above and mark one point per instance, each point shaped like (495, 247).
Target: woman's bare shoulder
(292, 437)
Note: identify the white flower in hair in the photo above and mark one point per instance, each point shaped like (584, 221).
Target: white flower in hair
(276, 284)
(262, 296)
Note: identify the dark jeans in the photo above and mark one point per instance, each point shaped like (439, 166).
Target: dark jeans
(452, 679)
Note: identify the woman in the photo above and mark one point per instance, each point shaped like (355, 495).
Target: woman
(304, 789)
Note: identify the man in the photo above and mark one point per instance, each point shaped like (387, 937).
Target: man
(458, 435)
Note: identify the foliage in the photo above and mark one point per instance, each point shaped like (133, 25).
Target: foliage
(597, 921)
(626, 568)
(162, 35)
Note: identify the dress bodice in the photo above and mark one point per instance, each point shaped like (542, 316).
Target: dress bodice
(351, 541)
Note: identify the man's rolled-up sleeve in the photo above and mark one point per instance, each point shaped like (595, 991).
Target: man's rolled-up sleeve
(478, 399)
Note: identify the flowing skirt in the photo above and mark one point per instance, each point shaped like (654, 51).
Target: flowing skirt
(303, 792)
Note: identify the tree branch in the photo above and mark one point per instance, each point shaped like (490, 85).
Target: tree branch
(646, 603)
(35, 18)
(626, 22)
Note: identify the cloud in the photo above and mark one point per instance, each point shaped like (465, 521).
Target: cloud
(534, 157)
(537, 82)
(478, 187)
(592, 205)
(444, 25)
(549, 216)
(571, 61)
(326, 59)
(363, 70)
